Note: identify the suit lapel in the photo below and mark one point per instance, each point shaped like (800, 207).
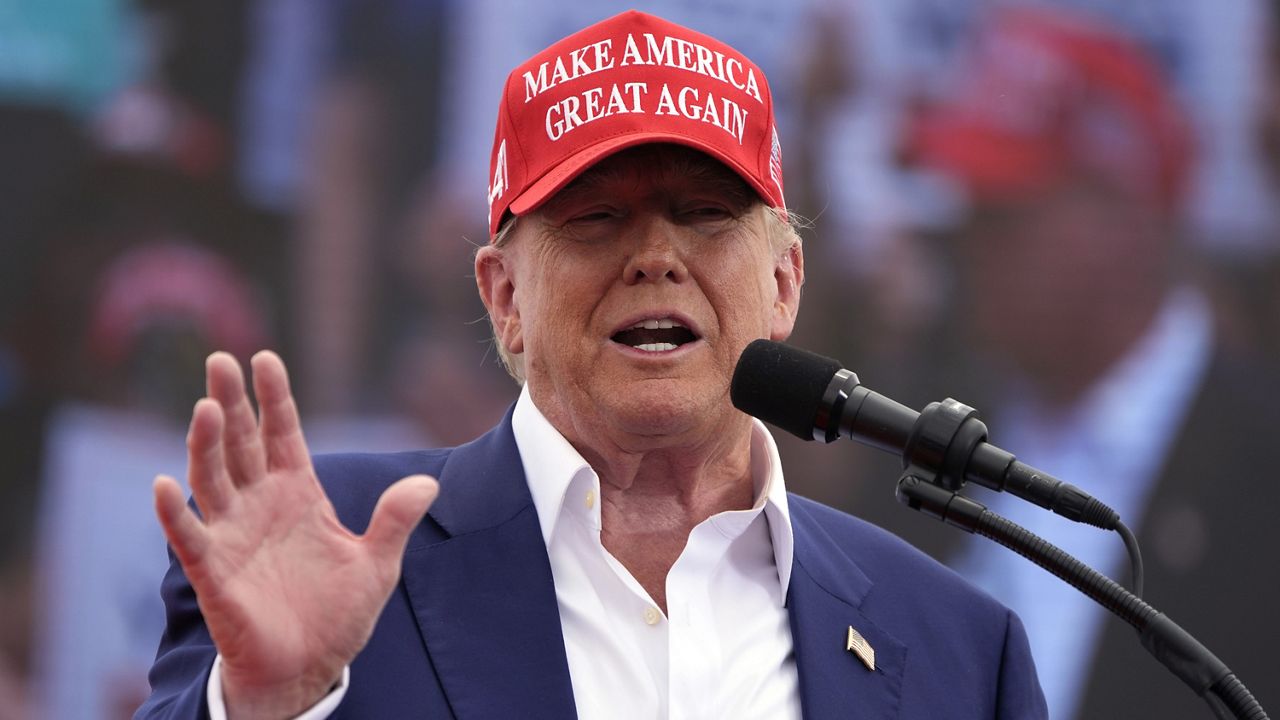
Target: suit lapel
(485, 602)
(824, 599)
(484, 598)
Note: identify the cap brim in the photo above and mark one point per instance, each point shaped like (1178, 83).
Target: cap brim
(561, 175)
(992, 164)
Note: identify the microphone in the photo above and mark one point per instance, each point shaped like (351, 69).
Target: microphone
(812, 397)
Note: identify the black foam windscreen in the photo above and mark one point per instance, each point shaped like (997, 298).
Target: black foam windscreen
(782, 385)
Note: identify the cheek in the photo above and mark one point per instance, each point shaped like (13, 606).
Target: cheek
(741, 289)
(559, 302)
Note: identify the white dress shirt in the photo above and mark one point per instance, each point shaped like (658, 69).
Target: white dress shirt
(724, 648)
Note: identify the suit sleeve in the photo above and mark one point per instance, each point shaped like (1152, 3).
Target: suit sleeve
(1019, 696)
(180, 676)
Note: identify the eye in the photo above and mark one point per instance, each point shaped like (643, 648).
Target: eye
(707, 212)
(593, 215)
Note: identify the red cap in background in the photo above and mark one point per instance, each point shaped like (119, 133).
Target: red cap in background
(1049, 93)
(173, 280)
(628, 80)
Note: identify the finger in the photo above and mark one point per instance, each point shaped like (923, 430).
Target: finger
(242, 445)
(186, 534)
(397, 513)
(206, 470)
(281, 431)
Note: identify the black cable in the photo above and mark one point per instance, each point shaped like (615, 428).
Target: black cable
(1135, 557)
(1102, 589)
(1174, 647)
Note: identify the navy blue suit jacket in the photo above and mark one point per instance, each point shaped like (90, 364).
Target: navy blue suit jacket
(473, 629)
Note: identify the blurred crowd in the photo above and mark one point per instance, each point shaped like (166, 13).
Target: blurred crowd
(1059, 212)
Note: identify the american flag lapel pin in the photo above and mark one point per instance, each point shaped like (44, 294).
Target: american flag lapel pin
(859, 646)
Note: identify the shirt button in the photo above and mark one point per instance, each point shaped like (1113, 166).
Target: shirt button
(591, 499)
(652, 616)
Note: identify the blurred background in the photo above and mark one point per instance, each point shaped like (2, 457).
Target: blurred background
(1062, 213)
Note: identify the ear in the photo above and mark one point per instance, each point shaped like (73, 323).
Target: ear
(788, 277)
(496, 280)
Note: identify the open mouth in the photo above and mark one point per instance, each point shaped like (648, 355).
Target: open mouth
(655, 335)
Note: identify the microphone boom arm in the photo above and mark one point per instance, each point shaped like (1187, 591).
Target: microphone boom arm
(1174, 647)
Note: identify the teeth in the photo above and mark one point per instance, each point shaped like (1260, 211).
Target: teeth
(656, 347)
(656, 324)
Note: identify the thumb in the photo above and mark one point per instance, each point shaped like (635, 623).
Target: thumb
(397, 513)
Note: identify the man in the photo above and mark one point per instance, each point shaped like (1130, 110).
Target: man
(1076, 155)
(622, 545)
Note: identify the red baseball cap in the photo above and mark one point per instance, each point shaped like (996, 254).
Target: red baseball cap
(1049, 92)
(629, 80)
(169, 280)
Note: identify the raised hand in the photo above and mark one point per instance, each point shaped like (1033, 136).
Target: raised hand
(289, 595)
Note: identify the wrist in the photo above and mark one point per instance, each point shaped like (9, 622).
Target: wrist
(276, 700)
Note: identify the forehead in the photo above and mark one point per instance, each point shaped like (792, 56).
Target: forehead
(663, 165)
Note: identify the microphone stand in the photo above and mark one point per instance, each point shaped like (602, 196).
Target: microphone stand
(945, 446)
(921, 488)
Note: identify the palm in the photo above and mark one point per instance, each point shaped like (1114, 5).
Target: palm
(267, 586)
(289, 595)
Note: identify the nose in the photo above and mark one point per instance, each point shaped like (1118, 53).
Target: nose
(655, 254)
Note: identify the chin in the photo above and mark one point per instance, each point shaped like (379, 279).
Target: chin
(659, 407)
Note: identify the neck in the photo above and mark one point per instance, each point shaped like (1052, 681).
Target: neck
(694, 459)
(654, 491)
(673, 487)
